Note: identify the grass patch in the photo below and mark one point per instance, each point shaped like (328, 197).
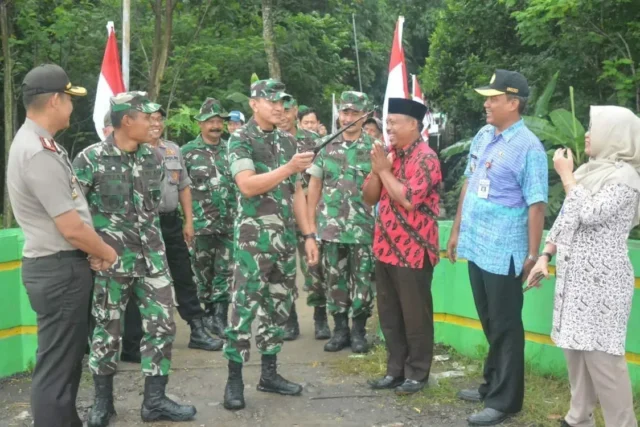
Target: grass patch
(546, 398)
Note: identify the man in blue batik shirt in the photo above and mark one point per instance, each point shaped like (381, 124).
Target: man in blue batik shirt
(498, 228)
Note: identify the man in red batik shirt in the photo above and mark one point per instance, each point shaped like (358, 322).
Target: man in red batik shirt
(405, 245)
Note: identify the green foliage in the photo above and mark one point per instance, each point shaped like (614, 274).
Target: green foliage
(182, 124)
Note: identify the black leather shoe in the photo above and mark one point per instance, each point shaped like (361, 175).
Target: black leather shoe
(386, 382)
(488, 417)
(410, 387)
(470, 395)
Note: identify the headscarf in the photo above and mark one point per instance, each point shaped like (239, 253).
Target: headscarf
(615, 151)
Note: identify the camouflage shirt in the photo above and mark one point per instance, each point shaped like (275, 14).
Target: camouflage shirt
(124, 190)
(263, 219)
(343, 216)
(212, 188)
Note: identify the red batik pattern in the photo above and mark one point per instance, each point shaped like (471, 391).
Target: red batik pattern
(401, 236)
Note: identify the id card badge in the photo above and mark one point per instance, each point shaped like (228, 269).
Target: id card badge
(483, 188)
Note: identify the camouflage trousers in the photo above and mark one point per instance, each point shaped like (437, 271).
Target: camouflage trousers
(263, 287)
(313, 278)
(213, 267)
(154, 296)
(349, 274)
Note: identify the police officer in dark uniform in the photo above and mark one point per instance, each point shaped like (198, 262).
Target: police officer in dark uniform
(60, 247)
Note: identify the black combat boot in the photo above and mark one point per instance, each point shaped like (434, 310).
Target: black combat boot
(341, 337)
(220, 310)
(358, 334)
(234, 391)
(200, 339)
(272, 382)
(320, 322)
(156, 406)
(209, 319)
(292, 328)
(102, 409)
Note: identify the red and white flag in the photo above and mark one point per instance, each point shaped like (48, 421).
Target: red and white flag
(417, 96)
(110, 82)
(397, 84)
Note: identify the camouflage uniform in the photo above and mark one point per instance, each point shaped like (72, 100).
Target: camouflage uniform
(313, 277)
(264, 237)
(123, 191)
(345, 222)
(213, 195)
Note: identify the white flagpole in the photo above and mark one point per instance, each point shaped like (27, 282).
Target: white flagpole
(126, 41)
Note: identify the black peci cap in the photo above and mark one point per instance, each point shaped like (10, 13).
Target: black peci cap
(49, 78)
(408, 107)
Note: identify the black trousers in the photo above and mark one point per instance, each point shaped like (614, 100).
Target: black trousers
(499, 302)
(180, 268)
(405, 308)
(59, 288)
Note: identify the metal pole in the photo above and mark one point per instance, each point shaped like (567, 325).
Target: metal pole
(126, 41)
(355, 38)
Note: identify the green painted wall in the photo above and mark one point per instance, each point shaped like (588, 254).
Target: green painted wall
(451, 294)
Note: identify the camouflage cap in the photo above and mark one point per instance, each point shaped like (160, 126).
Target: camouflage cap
(290, 103)
(134, 100)
(352, 100)
(270, 89)
(211, 107)
(303, 109)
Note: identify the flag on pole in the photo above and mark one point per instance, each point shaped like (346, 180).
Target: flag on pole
(417, 96)
(334, 114)
(397, 84)
(110, 81)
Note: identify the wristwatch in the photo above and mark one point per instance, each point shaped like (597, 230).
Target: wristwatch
(533, 258)
(309, 236)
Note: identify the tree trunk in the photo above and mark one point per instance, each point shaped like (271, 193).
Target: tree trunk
(269, 39)
(9, 104)
(161, 44)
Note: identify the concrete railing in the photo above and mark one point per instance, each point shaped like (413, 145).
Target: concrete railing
(457, 323)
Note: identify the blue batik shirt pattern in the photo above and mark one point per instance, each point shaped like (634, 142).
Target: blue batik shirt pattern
(494, 230)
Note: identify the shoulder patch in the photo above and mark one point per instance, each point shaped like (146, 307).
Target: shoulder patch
(48, 144)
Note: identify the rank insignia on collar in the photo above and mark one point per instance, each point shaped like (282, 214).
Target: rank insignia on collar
(48, 144)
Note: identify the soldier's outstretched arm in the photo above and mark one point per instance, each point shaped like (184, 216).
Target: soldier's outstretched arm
(251, 184)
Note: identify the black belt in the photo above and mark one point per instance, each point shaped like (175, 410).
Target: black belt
(172, 214)
(63, 255)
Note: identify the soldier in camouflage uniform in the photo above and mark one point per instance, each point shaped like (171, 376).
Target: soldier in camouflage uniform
(265, 165)
(213, 199)
(345, 226)
(313, 279)
(122, 179)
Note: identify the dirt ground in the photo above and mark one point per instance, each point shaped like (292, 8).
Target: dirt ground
(198, 377)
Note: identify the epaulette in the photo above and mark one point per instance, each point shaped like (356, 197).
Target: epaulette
(48, 144)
